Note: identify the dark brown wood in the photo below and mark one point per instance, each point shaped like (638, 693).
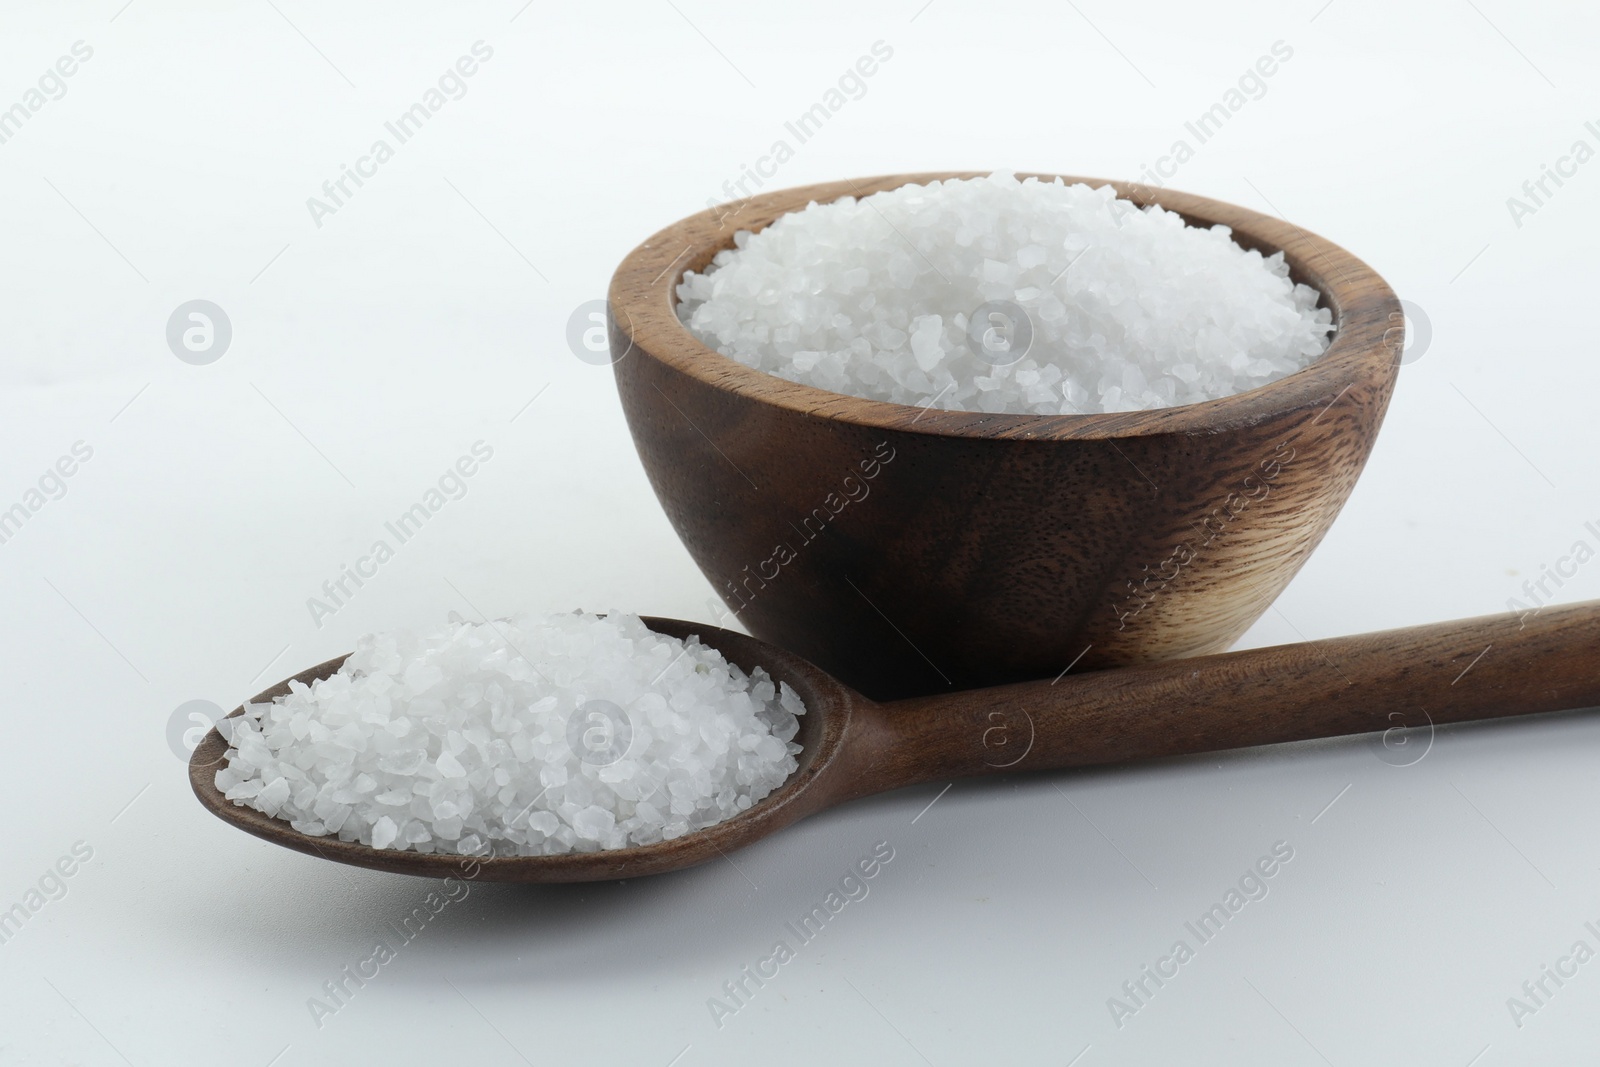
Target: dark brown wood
(994, 548)
(1407, 680)
(851, 746)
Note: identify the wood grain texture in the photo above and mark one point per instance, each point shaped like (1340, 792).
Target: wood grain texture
(1407, 681)
(994, 548)
(1413, 679)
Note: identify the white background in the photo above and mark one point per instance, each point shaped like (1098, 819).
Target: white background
(369, 353)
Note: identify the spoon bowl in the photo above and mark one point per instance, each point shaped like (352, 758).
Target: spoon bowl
(822, 728)
(852, 746)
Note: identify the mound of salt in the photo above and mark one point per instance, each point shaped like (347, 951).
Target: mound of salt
(999, 295)
(532, 736)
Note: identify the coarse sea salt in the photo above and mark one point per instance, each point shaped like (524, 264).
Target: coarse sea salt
(998, 295)
(531, 736)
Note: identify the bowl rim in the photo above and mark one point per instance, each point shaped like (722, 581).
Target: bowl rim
(641, 308)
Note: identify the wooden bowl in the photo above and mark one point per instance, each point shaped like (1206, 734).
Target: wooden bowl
(908, 550)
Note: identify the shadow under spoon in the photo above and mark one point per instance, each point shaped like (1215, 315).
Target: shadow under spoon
(1413, 679)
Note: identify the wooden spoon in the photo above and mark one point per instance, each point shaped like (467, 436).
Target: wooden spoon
(1489, 667)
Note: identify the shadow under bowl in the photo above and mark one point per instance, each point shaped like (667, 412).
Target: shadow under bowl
(908, 550)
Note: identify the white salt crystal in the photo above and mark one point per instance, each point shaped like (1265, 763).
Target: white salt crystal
(1129, 308)
(273, 796)
(593, 823)
(531, 736)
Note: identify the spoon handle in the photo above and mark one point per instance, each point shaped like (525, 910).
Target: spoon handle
(1402, 682)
